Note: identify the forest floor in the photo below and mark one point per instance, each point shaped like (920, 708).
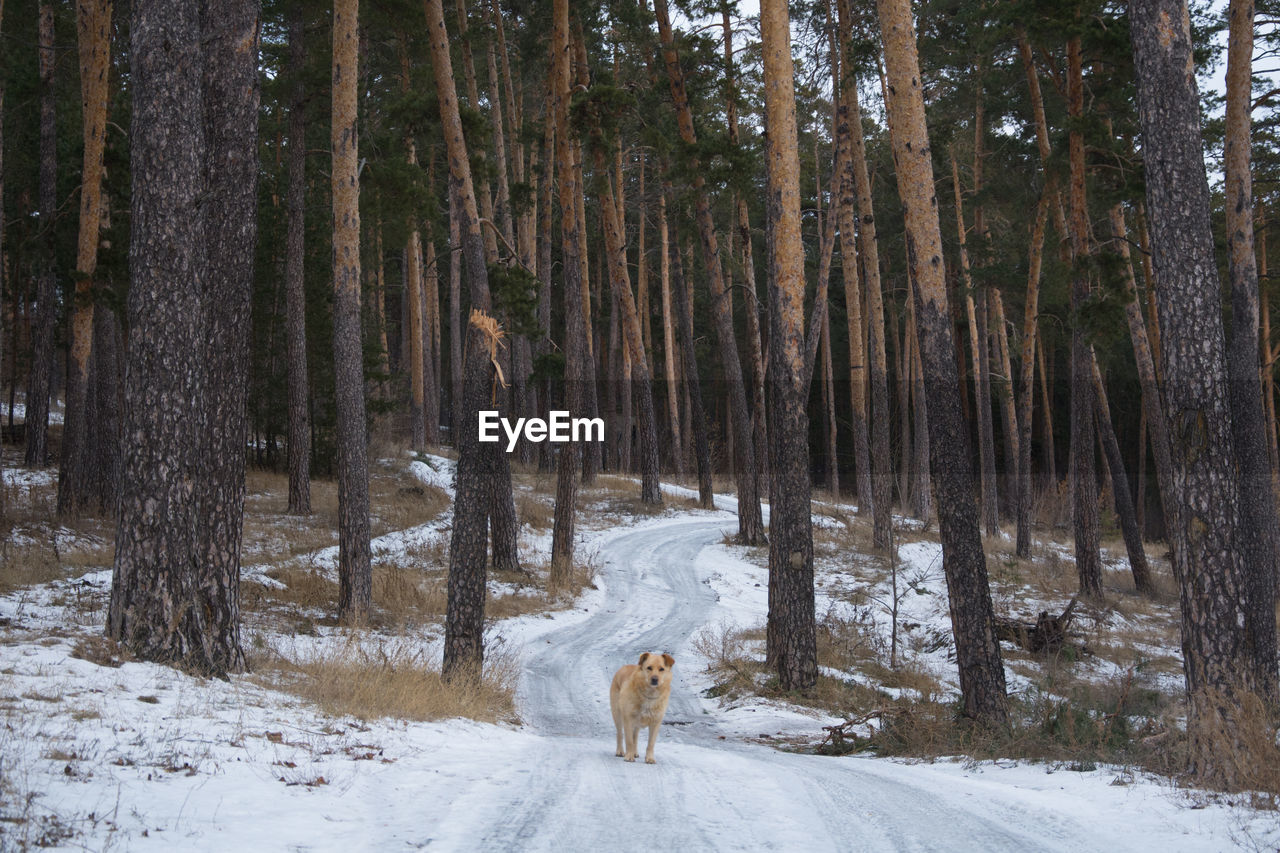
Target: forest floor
(346, 739)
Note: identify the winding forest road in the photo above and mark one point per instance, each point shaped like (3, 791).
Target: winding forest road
(567, 791)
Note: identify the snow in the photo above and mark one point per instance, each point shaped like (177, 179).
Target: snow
(143, 757)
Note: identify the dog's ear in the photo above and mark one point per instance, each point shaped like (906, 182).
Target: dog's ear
(644, 656)
(669, 660)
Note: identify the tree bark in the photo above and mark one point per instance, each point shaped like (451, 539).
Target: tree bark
(697, 419)
(669, 352)
(230, 37)
(640, 377)
(977, 652)
(93, 25)
(1027, 362)
(1084, 483)
(299, 413)
(165, 606)
(40, 379)
(355, 579)
(977, 353)
(1258, 519)
(791, 603)
(1208, 555)
(482, 469)
(1123, 498)
(1152, 398)
(575, 338)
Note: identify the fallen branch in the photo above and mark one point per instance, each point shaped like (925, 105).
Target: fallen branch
(1046, 634)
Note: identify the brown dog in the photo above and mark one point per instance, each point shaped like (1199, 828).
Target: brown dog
(638, 697)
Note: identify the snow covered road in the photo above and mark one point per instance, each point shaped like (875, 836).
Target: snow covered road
(565, 789)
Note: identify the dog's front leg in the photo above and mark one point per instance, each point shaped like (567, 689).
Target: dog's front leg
(653, 736)
(633, 741)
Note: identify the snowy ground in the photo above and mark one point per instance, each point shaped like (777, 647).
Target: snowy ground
(139, 756)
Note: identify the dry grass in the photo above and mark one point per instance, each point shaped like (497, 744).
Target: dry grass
(393, 680)
(534, 512)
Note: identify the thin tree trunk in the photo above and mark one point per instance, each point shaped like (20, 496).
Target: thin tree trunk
(1027, 385)
(829, 404)
(637, 371)
(482, 470)
(40, 379)
(1050, 455)
(299, 414)
(93, 24)
(977, 652)
(668, 336)
(977, 353)
(755, 348)
(355, 579)
(1129, 527)
(413, 292)
(1084, 483)
(576, 353)
(750, 522)
(1217, 654)
(1152, 397)
(697, 419)
(920, 411)
(1259, 524)
(1002, 387)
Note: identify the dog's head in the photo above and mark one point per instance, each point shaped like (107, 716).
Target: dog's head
(656, 669)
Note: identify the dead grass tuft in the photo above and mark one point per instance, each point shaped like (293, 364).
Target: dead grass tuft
(393, 680)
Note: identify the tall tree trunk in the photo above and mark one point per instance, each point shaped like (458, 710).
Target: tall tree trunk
(482, 469)
(1027, 386)
(791, 604)
(165, 604)
(230, 36)
(1129, 528)
(575, 337)
(669, 353)
(858, 176)
(1152, 398)
(413, 291)
(355, 579)
(1217, 653)
(299, 413)
(755, 348)
(829, 406)
(1259, 525)
(3, 268)
(920, 412)
(1046, 413)
(40, 379)
(750, 522)
(1002, 387)
(456, 331)
(640, 376)
(1084, 483)
(977, 352)
(93, 25)
(977, 652)
(697, 419)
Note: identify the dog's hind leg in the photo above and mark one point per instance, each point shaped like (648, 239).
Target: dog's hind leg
(653, 736)
(617, 728)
